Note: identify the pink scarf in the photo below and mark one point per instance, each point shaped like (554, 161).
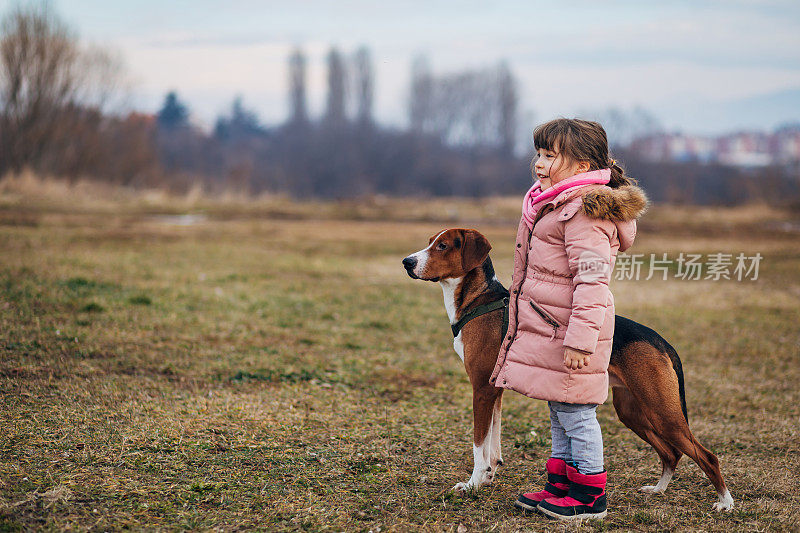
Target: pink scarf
(536, 197)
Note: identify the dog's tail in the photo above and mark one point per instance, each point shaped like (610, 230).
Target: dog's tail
(677, 366)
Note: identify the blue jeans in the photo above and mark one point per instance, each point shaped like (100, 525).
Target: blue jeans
(576, 435)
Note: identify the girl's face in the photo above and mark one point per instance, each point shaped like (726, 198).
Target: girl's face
(552, 167)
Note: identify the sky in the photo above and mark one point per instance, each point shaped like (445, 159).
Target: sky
(702, 66)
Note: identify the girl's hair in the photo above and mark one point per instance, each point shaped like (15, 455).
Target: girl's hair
(580, 140)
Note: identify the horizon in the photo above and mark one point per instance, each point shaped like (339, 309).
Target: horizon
(702, 68)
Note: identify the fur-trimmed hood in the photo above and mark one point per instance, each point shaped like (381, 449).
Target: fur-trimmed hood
(628, 202)
(621, 205)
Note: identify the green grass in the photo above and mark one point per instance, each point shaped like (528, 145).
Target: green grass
(252, 372)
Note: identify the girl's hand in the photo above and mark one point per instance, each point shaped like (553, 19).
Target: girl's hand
(575, 359)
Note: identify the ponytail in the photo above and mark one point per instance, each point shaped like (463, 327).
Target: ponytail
(618, 176)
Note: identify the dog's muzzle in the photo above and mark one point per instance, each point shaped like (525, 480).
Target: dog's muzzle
(410, 263)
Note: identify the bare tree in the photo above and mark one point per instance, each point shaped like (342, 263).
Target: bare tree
(625, 126)
(297, 87)
(364, 85)
(507, 94)
(469, 108)
(335, 112)
(421, 94)
(44, 75)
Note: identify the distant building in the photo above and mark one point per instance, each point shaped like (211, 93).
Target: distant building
(786, 144)
(745, 149)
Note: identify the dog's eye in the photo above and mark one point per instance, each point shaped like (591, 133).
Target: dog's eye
(441, 246)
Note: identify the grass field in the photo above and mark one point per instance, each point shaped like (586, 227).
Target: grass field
(269, 365)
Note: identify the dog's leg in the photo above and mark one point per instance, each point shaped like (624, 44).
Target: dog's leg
(482, 471)
(483, 399)
(496, 456)
(683, 439)
(654, 384)
(631, 415)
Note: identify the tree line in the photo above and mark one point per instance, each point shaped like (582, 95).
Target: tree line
(57, 118)
(462, 145)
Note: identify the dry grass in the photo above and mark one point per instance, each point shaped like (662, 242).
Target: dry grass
(269, 365)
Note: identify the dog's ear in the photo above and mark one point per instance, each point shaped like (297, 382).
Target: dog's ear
(475, 251)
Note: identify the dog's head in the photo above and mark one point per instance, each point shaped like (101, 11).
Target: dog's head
(450, 254)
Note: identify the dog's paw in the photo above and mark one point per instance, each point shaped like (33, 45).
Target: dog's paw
(651, 489)
(725, 502)
(462, 487)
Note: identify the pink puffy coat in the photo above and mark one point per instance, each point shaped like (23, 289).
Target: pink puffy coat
(560, 295)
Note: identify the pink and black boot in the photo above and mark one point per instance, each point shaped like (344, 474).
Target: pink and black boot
(586, 498)
(557, 486)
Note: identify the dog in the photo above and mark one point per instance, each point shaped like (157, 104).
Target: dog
(645, 372)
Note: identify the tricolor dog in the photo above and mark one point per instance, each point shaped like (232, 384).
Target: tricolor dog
(645, 372)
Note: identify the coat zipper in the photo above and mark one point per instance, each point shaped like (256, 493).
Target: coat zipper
(547, 318)
(542, 212)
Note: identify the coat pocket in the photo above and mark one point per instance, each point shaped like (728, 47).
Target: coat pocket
(546, 317)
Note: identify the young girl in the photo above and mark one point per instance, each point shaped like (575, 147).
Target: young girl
(575, 218)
